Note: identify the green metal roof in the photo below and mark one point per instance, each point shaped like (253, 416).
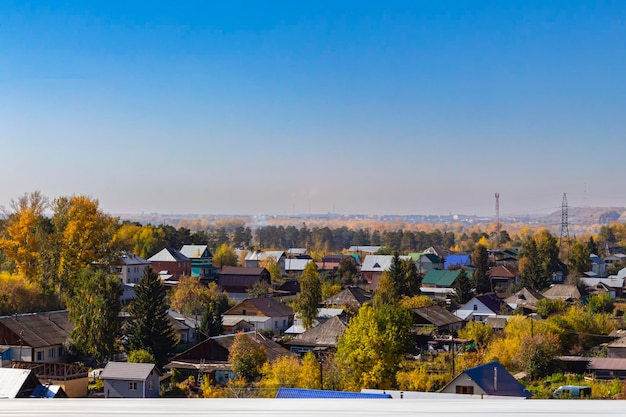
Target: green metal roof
(441, 278)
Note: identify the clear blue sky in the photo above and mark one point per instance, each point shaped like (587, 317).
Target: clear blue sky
(377, 107)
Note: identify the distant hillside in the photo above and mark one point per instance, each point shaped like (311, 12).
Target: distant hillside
(585, 217)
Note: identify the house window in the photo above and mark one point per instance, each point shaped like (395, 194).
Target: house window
(475, 307)
(132, 386)
(462, 389)
(128, 269)
(284, 323)
(60, 351)
(151, 384)
(40, 355)
(51, 353)
(243, 312)
(276, 324)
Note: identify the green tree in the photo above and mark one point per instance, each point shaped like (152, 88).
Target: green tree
(348, 271)
(480, 277)
(537, 355)
(141, 356)
(480, 333)
(547, 307)
(386, 292)
(531, 270)
(189, 296)
(310, 296)
(246, 357)
(579, 259)
(216, 305)
(224, 256)
(259, 289)
(94, 311)
(412, 278)
(148, 326)
(370, 351)
(600, 303)
(462, 288)
(397, 274)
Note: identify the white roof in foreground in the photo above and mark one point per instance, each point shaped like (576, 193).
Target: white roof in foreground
(310, 407)
(11, 380)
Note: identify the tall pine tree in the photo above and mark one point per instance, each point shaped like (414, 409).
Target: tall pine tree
(149, 326)
(480, 278)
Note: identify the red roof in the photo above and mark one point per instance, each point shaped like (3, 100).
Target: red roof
(502, 271)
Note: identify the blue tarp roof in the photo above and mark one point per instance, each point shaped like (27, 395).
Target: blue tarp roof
(317, 393)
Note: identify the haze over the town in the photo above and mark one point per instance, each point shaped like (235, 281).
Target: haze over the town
(285, 108)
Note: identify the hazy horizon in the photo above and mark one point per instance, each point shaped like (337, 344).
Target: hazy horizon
(406, 107)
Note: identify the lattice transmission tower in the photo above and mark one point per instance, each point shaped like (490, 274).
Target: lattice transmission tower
(497, 219)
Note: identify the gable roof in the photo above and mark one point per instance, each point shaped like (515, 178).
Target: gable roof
(196, 251)
(440, 277)
(129, 259)
(40, 329)
(215, 349)
(379, 263)
(507, 385)
(365, 248)
(242, 271)
(264, 255)
(296, 264)
(128, 371)
(563, 292)
(168, 255)
(502, 271)
(494, 379)
(493, 303)
(437, 315)
(325, 334)
(13, 380)
(524, 298)
(351, 296)
(267, 307)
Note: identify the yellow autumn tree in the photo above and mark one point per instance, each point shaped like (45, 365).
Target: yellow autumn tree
(189, 296)
(87, 238)
(24, 236)
(309, 372)
(282, 372)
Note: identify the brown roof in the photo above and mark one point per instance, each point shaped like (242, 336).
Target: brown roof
(563, 291)
(613, 364)
(619, 343)
(353, 296)
(502, 271)
(267, 307)
(216, 349)
(40, 329)
(437, 315)
(324, 334)
(524, 297)
(239, 270)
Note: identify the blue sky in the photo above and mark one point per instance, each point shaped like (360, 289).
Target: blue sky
(425, 107)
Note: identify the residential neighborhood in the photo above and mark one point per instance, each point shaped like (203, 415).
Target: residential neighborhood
(198, 317)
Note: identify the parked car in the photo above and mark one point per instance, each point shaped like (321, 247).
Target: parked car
(572, 391)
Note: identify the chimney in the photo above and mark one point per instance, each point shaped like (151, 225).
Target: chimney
(495, 379)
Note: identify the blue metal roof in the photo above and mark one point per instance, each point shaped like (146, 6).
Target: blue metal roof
(317, 393)
(486, 376)
(454, 260)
